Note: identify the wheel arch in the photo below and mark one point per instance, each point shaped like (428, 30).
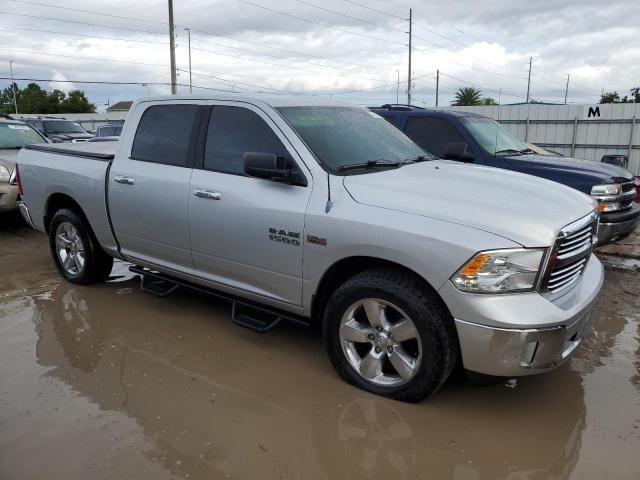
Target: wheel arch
(58, 201)
(345, 268)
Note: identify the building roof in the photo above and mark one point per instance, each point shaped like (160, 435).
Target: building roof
(120, 107)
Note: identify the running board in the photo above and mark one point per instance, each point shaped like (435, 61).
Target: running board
(256, 317)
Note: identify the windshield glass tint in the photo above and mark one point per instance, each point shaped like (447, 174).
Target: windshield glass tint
(62, 126)
(340, 136)
(492, 136)
(14, 135)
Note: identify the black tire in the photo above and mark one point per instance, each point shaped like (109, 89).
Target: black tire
(432, 321)
(97, 264)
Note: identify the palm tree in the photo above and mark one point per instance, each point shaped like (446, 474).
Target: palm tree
(467, 97)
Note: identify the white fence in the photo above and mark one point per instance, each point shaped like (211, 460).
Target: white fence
(582, 131)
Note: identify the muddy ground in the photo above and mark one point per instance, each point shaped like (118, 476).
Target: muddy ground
(109, 382)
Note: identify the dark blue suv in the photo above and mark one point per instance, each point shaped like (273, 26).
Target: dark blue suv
(468, 137)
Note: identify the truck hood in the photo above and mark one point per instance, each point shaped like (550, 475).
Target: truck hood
(68, 137)
(8, 158)
(525, 209)
(584, 173)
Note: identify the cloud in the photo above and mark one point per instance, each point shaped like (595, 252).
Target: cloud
(253, 49)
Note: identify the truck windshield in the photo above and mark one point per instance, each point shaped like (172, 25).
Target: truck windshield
(493, 137)
(349, 136)
(15, 135)
(63, 126)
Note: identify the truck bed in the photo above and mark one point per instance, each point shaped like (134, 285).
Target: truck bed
(95, 150)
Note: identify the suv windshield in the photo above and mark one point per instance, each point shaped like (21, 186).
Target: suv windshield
(62, 126)
(344, 136)
(493, 137)
(16, 135)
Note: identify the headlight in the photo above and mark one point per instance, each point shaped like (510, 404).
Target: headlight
(4, 173)
(500, 271)
(609, 189)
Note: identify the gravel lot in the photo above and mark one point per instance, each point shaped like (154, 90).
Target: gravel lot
(110, 382)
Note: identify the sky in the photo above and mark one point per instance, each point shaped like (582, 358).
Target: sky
(354, 50)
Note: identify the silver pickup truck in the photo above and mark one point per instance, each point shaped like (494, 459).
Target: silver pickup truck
(322, 212)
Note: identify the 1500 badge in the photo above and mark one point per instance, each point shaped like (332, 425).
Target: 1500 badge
(284, 236)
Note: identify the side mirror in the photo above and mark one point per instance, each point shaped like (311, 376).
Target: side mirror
(270, 167)
(458, 151)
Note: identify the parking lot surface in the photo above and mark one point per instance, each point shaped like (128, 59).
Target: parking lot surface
(109, 382)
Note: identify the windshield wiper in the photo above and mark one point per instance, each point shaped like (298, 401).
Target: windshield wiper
(419, 158)
(509, 151)
(527, 151)
(17, 147)
(371, 164)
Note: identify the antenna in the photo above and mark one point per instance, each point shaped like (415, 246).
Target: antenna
(495, 147)
(329, 202)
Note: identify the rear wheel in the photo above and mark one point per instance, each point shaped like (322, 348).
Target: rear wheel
(76, 253)
(387, 333)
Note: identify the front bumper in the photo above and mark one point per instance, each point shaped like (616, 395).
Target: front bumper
(8, 197)
(616, 225)
(523, 334)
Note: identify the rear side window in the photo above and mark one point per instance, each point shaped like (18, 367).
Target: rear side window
(432, 134)
(164, 133)
(232, 132)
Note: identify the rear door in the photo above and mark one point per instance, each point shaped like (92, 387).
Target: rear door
(149, 185)
(247, 233)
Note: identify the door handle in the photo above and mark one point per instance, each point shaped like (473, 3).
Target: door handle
(124, 180)
(208, 194)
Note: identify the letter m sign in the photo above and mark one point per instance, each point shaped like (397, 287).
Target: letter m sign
(593, 112)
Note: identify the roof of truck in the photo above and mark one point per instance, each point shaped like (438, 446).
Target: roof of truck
(272, 100)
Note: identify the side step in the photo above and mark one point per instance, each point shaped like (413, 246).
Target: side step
(157, 286)
(259, 318)
(255, 319)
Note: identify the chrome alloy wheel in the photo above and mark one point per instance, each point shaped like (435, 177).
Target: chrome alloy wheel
(70, 248)
(380, 342)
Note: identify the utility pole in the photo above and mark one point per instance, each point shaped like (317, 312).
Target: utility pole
(13, 88)
(566, 91)
(437, 85)
(398, 88)
(409, 72)
(172, 48)
(189, 37)
(529, 81)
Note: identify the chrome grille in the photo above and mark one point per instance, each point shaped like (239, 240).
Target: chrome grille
(570, 254)
(627, 195)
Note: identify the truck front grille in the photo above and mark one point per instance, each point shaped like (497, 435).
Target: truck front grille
(570, 254)
(627, 195)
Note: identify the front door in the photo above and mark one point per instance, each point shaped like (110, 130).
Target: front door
(149, 191)
(247, 233)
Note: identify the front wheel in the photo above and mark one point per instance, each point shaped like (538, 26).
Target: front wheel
(385, 332)
(76, 253)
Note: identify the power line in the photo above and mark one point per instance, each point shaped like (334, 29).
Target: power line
(349, 16)
(193, 30)
(502, 92)
(252, 52)
(76, 57)
(98, 82)
(85, 36)
(90, 12)
(325, 25)
(375, 10)
(77, 22)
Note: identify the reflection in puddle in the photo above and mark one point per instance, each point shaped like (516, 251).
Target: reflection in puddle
(171, 386)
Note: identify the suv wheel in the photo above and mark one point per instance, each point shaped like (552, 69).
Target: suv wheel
(386, 333)
(76, 253)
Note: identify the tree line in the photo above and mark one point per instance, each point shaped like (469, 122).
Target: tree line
(614, 97)
(34, 99)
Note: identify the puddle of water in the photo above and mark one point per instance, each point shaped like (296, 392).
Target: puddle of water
(108, 382)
